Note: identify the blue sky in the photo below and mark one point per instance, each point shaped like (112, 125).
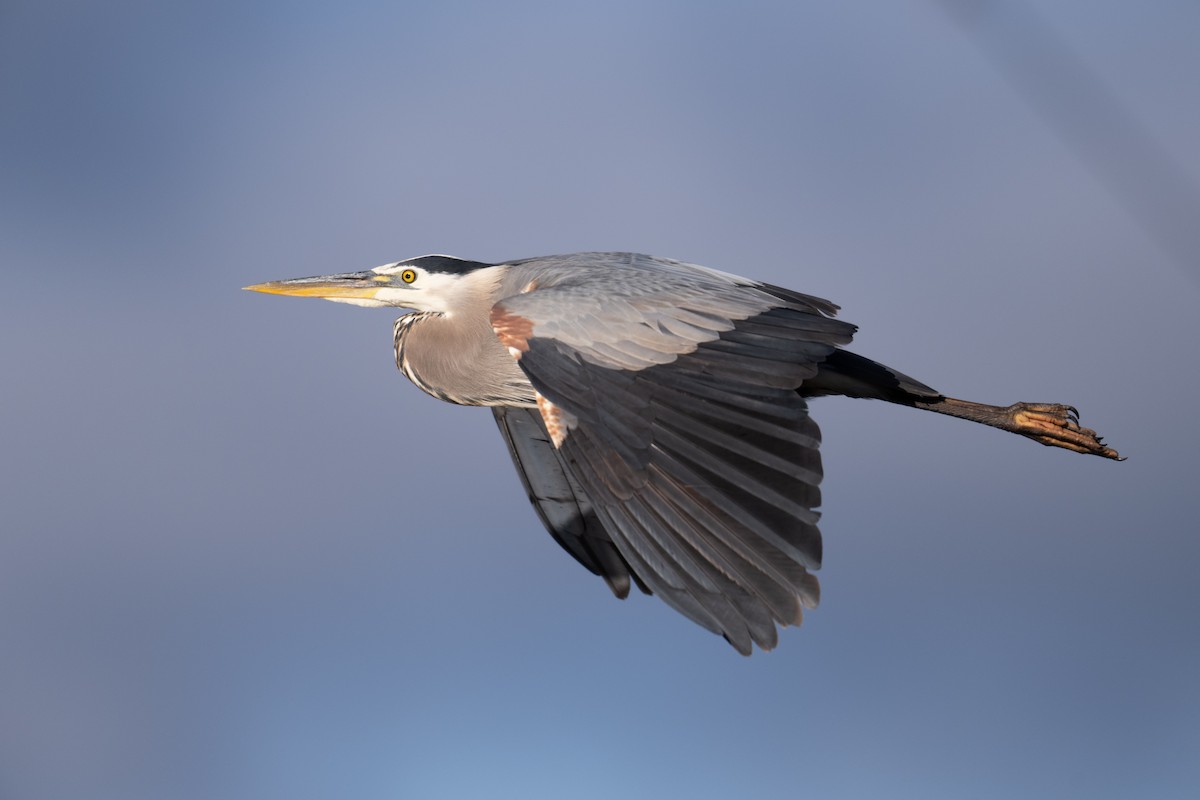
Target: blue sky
(241, 557)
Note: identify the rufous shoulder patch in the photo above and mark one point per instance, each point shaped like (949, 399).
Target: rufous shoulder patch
(512, 330)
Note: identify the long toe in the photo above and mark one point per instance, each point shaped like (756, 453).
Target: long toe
(1057, 425)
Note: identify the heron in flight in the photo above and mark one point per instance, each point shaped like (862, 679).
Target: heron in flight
(657, 413)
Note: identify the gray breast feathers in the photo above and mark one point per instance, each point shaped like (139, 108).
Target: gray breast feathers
(458, 363)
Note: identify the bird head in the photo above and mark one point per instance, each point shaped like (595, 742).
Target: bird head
(424, 283)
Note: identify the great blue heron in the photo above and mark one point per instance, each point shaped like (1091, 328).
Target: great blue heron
(656, 412)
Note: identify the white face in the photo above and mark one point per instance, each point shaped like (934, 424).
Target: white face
(409, 286)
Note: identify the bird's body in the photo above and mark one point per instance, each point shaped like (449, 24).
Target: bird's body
(656, 412)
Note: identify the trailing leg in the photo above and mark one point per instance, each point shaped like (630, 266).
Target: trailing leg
(850, 375)
(1052, 424)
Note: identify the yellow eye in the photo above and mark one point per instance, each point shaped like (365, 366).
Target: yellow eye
(408, 276)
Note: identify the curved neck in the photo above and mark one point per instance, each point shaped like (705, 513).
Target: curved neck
(459, 359)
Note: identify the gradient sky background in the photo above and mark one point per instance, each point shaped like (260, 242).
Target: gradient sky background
(242, 557)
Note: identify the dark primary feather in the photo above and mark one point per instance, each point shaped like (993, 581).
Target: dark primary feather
(704, 471)
(559, 500)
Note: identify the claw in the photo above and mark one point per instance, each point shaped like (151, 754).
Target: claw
(1058, 426)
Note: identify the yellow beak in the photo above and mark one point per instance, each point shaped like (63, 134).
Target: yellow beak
(350, 286)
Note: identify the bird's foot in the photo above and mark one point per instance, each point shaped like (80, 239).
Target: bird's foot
(1056, 425)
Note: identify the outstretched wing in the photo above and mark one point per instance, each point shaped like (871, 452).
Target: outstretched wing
(672, 405)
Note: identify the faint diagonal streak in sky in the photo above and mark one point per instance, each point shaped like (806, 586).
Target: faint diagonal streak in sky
(1149, 183)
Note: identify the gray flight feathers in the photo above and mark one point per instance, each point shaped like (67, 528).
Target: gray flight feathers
(690, 450)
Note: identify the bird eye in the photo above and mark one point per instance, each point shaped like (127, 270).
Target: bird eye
(408, 276)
